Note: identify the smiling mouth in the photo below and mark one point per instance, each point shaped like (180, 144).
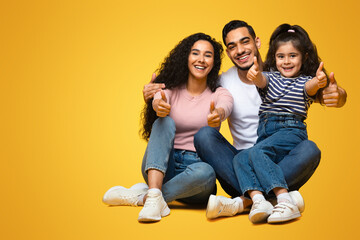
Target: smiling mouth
(243, 58)
(200, 67)
(287, 69)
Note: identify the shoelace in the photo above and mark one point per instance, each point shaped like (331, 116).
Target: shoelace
(227, 206)
(151, 201)
(280, 207)
(129, 197)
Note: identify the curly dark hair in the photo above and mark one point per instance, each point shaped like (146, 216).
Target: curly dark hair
(301, 41)
(174, 72)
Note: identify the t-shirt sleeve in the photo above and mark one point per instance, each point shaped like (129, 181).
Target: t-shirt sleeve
(223, 99)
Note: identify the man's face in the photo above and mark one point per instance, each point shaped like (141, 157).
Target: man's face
(241, 48)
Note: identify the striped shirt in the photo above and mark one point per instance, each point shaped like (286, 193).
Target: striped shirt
(285, 95)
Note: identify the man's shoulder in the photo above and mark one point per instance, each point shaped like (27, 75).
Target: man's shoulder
(228, 76)
(230, 72)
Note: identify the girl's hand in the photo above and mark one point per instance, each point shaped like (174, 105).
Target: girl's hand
(321, 76)
(161, 107)
(254, 72)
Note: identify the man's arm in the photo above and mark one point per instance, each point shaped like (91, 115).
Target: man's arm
(151, 88)
(333, 95)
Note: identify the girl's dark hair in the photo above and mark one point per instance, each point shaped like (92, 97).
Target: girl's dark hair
(301, 41)
(174, 72)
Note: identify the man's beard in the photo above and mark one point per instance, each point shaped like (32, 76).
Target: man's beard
(243, 68)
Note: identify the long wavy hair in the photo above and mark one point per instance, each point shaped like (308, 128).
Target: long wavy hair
(174, 72)
(301, 41)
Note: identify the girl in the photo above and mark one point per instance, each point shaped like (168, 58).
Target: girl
(193, 99)
(291, 84)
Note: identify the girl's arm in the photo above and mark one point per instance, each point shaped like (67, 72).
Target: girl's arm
(256, 76)
(320, 81)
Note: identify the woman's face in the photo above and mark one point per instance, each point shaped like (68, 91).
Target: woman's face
(201, 60)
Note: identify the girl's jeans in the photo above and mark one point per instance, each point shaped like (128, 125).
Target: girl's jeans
(257, 168)
(297, 166)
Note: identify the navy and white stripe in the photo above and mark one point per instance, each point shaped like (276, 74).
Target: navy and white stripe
(285, 95)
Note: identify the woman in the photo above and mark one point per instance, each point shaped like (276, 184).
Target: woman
(192, 99)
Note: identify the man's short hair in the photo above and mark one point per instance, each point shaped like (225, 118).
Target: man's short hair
(234, 24)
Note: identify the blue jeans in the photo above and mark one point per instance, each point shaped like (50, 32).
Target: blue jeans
(298, 166)
(186, 177)
(256, 167)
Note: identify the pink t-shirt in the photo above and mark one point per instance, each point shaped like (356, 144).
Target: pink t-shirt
(190, 113)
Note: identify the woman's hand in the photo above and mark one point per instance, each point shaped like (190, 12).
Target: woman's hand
(161, 107)
(216, 115)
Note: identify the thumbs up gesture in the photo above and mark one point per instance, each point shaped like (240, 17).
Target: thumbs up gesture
(161, 107)
(321, 76)
(254, 75)
(333, 95)
(254, 71)
(215, 116)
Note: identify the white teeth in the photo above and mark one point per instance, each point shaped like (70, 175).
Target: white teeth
(199, 67)
(242, 58)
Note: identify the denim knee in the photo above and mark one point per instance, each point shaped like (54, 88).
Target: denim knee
(313, 153)
(166, 123)
(202, 173)
(204, 137)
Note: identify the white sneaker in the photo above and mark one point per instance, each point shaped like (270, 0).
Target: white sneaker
(154, 208)
(120, 196)
(283, 212)
(219, 206)
(298, 200)
(260, 211)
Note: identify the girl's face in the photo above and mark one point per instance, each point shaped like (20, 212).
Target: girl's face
(288, 60)
(201, 60)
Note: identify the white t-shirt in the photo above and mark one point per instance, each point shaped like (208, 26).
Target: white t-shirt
(244, 119)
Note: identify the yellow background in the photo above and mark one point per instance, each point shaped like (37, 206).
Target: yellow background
(71, 76)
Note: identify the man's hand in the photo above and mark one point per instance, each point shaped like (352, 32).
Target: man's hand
(161, 107)
(333, 95)
(151, 88)
(215, 116)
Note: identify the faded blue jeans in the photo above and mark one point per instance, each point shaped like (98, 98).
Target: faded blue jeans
(256, 168)
(187, 178)
(297, 166)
